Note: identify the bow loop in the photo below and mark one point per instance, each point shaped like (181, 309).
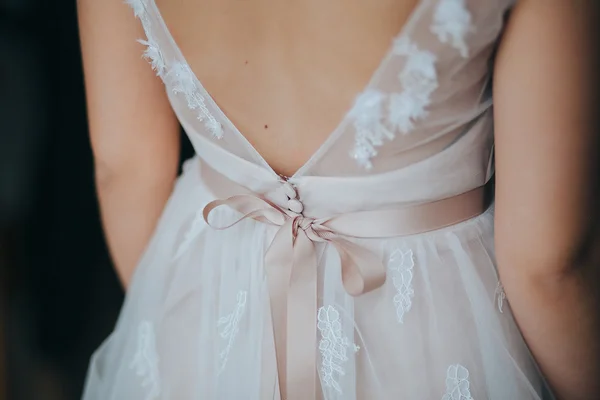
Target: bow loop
(249, 206)
(290, 263)
(291, 269)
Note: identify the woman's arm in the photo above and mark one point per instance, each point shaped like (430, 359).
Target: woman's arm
(134, 134)
(546, 226)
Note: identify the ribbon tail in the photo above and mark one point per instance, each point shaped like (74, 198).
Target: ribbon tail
(362, 270)
(302, 322)
(278, 269)
(249, 207)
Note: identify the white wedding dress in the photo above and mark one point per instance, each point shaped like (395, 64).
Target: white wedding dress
(369, 274)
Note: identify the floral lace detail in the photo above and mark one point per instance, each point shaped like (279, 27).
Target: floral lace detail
(229, 327)
(145, 360)
(401, 265)
(374, 123)
(457, 383)
(154, 56)
(452, 23)
(334, 348)
(368, 111)
(501, 297)
(419, 79)
(138, 7)
(178, 76)
(181, 79)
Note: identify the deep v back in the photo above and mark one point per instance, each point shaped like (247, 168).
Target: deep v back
(308, 141)
(428, 91)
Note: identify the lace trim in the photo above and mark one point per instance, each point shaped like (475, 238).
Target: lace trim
(451, 23)
(154, 56)
(401, 264)
(145, 360)
(138, 7)
(368, 112)
(178, 76)
(181, 79)
(228, 327)
(333, 347)
(501, 297)
(371, 121)
(457, 383)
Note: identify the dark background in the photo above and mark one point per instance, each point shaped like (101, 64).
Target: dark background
(59, 295)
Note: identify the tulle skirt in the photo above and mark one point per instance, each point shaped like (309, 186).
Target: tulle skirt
(196, 319)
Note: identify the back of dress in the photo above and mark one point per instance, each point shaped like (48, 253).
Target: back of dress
(428, 92)
(431, 323)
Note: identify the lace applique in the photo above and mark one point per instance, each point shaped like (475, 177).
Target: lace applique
(334, 348)
(374, 123)
(501, 296)
(457, 383)
(452, 23)
(191, 234)
(145, 360)
(181, 80)
(401, 264)
(138, 7)
(228, 327)
(179, 75)
(419, 79)
(154, 56)
(368, 112)
(140, 11)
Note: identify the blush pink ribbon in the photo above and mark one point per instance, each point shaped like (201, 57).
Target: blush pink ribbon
(291, 266)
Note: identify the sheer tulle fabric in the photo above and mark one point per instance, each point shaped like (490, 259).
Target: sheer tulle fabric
(193, 327)
(196, 322)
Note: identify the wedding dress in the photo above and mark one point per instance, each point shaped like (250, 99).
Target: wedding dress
(368, 274)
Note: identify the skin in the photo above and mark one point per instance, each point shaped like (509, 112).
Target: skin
(271, 69)
(546, 227)
(134, 134)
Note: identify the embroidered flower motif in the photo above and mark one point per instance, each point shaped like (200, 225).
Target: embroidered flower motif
(419, 80)
(138, 7)
(182, 80)
(401, 265)
(452, 23)
(457, 383)
(374, 123)
(179, 74)
(368, 112)
(154, 56)
(228, 328)
(501, 296)
(145, 360)
(334, 348)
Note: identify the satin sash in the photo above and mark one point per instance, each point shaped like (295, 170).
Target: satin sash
(291, 264)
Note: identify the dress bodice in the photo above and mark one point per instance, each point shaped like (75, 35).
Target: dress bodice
(423, 124)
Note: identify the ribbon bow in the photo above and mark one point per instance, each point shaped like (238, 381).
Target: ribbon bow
(291, 268)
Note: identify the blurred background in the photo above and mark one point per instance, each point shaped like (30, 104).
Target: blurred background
(59, 296)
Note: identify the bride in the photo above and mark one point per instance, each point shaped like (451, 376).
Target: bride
(333, 237)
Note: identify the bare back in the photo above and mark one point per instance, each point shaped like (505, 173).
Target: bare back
(285, 75)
